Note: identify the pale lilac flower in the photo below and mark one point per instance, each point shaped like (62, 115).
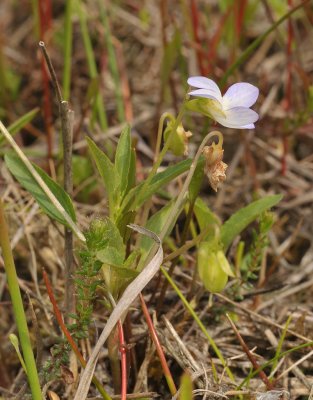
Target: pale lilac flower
(231, 110)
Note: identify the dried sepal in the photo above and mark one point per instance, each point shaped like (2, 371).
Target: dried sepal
(214, 166)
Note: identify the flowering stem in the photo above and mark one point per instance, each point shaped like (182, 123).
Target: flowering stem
(19, 314)
(160, 133)
(173, 216)
(171, 219)
(166, 146)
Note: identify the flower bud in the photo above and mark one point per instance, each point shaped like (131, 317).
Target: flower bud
(179, 140)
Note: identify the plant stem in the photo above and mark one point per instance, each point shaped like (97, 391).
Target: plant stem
(19, 314)
(166, 146)
(123, 352)
(180, 199)
(156, 341)
(160, 133)
(67, 123)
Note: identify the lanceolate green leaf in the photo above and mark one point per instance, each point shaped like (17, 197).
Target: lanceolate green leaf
(25, 178)
(136, 197)
(107, 171)
(123, 160)
(242, 218)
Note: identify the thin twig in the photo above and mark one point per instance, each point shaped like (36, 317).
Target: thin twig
(67, 123)
(252, 359)
(261, 317)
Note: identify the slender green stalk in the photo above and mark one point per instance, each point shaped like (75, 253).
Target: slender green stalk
(171, 219)
(93, 72)
(112, 62)
(184, 191)
(19, 314)
(160, 133)
(166, 146)
(199, 322)
(67, 50)
(41, 183)
(280, 344)
(256, 43)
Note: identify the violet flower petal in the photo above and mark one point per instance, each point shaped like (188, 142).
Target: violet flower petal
(205, 93)
(238, 117)
(201, 82)
(240, 95)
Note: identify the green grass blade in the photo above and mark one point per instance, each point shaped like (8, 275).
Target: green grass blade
(18, 308)
(112, 62)
(92, 66)
(20, 123)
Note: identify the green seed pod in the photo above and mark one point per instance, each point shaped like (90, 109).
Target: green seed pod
(213, 267)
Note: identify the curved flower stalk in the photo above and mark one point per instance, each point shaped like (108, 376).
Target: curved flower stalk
(231, 110)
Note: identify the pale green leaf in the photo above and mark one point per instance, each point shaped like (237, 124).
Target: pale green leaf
(242, 218)
(136, 197)
(107, 171)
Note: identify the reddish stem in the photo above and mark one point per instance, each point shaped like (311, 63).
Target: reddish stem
(156, 341)
(288, 88)
(216, 38)
(123, 361)
(67, 334)
(251, 357)
(239, 11)
(196, 27)
(59, 318)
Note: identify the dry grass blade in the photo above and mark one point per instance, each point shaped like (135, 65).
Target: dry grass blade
(130, 294)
